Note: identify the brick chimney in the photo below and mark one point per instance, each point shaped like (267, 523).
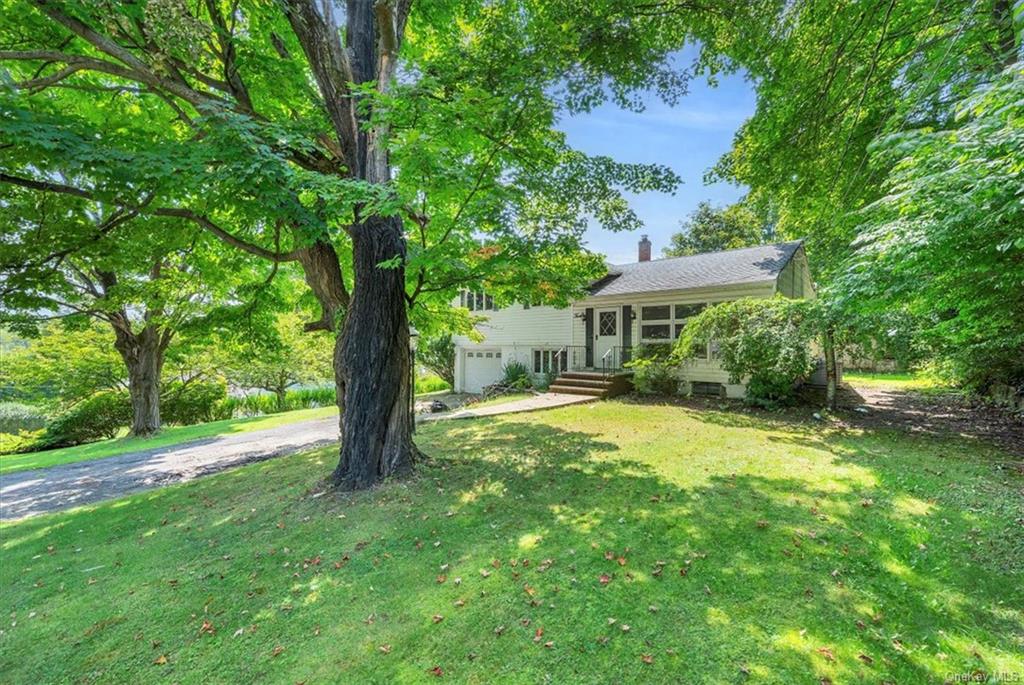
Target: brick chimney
(645, 249)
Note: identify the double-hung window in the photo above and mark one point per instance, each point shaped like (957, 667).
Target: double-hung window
(476, 302)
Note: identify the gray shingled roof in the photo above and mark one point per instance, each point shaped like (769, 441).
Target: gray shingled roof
(731, 267)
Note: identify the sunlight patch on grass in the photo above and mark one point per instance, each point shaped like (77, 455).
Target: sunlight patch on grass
(766, 516)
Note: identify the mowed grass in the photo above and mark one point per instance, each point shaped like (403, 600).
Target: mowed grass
(173, 435)
(601, 543)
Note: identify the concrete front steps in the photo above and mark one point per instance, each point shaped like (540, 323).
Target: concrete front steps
(592, 383)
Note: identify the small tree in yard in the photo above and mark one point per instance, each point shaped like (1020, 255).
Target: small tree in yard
(438, 355)
(765, 342)
(286, 357)
(80, 260)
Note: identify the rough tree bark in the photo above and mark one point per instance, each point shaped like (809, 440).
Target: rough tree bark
(376, 439)
(143, 355)
(831, 369)
(372, 352)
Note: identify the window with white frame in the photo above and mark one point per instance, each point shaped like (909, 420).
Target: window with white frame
(547, 361)
(476, 301)
(663, 323)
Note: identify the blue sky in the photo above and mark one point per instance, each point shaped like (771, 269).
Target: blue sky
(689, 138)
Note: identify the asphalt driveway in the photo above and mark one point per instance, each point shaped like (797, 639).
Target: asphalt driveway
(27, 493)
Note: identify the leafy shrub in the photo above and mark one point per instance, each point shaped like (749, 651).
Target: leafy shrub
(766, 342)
(544, 380)
(430, 383)
(655, 375)
(194, 402)
(256, 405)
(25, 441)
(516, 375)
(97, 417)
(16, 417)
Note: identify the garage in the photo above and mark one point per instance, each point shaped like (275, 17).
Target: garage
(480, 368)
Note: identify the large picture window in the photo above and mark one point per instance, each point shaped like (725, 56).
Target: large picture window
(664, 322)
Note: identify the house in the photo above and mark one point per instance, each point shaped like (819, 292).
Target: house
(643, 303)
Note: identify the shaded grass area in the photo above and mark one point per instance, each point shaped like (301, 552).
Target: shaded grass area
(10, 463)
(734, 548)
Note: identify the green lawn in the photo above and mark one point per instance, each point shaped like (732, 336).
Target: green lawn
(169, 436)
(598, 543)
(898, 381)
(500, 399)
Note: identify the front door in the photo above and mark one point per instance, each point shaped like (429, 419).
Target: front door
(606, 336)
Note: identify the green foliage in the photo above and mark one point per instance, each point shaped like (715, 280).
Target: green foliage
(515, 375)
(62, 365)
(766, 343)
(438, 355)
(947, 240)
(194, 402)
(103, 415)
(282, 356)
(655, 375)
(831, 78)
(16, 417)
(260, 404)
(431, 383)
(712, 229)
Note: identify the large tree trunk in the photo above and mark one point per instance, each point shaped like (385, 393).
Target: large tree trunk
(376, 439)
(143, 355)
(831, 369)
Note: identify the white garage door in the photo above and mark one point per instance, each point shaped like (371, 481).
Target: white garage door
(480, 368)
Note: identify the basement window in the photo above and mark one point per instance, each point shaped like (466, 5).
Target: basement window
(546, 361)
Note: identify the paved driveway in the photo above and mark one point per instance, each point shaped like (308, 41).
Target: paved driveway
(26, 493)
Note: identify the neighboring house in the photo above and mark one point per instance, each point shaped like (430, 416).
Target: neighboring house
(639, 304)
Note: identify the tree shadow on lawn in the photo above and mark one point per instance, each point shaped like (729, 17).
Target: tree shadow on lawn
(864, 575)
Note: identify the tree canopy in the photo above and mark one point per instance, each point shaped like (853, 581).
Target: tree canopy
(396, 151)
(712, 229)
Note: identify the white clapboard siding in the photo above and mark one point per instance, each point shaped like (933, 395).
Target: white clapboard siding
(514, 325)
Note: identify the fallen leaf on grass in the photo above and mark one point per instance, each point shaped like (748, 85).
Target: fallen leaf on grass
(438, 618)
(605, 579)
(207, 627)
(647, 658)
(538, 634)
(277, 651)
(160, 660)
(827, 653)
(866, 659)
(385, 649)
(436, 670)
